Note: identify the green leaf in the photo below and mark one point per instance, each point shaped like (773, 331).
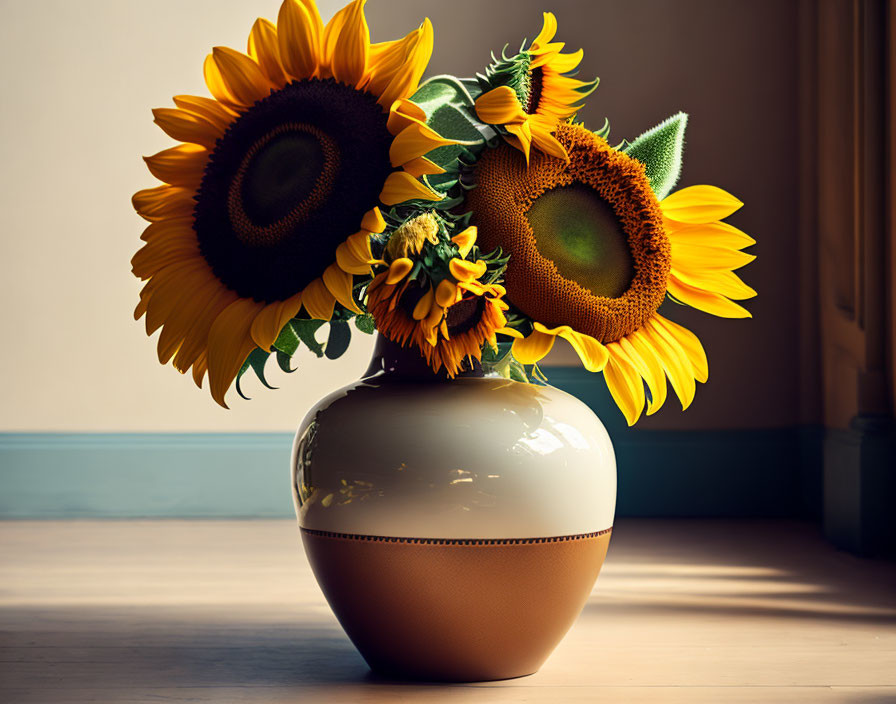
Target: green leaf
(337, 342)
(256, 362)
(257, 359)
(304, 330)
(660, 150)
(287, 341)
(365, 324)
(442, 89)
(283, 360)
(449, 111)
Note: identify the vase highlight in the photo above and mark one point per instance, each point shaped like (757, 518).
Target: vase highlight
(456, 527)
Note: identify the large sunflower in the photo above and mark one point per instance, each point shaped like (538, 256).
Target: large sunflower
(269, 201)
(593, 255)
(530, 93)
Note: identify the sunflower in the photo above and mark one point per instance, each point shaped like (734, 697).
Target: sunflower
(593, 255)
(534, 93)
(269, 201)
(448, 320)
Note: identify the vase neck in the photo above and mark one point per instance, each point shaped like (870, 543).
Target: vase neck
(393, 360)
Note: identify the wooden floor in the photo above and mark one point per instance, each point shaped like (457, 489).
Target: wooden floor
(685, 611)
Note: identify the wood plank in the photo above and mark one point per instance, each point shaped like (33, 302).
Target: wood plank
(221, 611)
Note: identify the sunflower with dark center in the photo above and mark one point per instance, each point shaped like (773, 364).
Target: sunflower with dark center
(447, 312)
(268, 203)
(529, 94)
(593, 254)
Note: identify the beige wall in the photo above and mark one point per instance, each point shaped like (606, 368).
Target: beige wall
(79, 79)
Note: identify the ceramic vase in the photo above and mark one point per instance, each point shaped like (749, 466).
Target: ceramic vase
(456, 527)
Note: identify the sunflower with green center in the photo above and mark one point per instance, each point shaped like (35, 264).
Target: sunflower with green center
(269, 201)
(529, 94)
(593, 254)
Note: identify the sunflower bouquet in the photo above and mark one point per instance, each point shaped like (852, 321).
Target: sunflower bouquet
(473, 220)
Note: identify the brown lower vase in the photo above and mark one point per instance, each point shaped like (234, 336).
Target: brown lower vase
(455, 610)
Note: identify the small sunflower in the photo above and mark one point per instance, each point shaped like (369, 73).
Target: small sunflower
(531, 93)
(448, 313)
(593, 255)
(269, 201)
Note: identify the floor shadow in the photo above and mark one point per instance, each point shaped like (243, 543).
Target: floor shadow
(779, 570)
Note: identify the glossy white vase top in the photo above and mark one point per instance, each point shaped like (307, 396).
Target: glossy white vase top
(479, 458)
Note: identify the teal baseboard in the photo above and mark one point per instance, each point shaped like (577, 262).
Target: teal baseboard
(745, 473)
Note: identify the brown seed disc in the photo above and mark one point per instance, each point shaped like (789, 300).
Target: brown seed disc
(555, 292)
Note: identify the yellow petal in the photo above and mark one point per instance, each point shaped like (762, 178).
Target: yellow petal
(215, 83)
(561, 63)
(404, 113)
(298, 39)
(154, 256)
(352, 50)
(726, 283)
(330, 36)
(424, 305)
(241, 75)
(675, 363)
(187, 127)
(163, 202)
(717, 234)
(500, 106)
(398, 270)
(446, 293)
(170, 229)
(547, 33)
(532, 349)
(195, 344)
(401, 186)
(414, 141)
(200, 367)
(390, 59)
(421, 166)
(229, 343)
(465, 240)
(181, 319)
(318, 301)
(211, 110)
(269, 322)
(354, 255)
(265, 49)
(592, 353)
(644, 356)
(466, 271)
(523, 134)
(689, 342)
(706, 301)
(547, 143)
(624, 384)
(373, 221)
(510, 332)
(340, 285)
(430, 325)
(699, 204)
(406, 80)
(699, 257)
(182, 165)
